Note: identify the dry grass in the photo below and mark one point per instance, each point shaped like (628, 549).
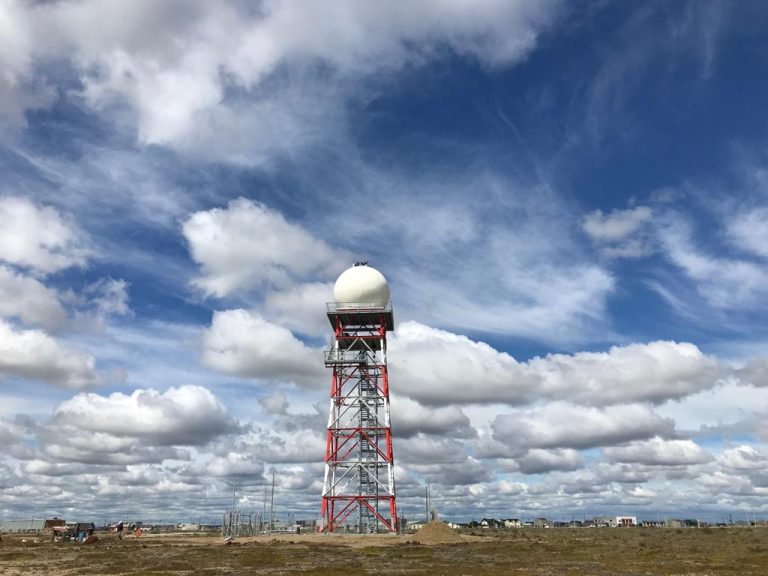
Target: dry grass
(742, 551)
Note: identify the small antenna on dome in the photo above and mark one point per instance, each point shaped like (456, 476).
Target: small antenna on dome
(362, 263)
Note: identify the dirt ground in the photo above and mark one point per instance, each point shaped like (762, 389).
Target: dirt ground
(617, 551)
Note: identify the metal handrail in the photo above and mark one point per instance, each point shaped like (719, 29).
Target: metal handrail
(341, 356)
(335, 307)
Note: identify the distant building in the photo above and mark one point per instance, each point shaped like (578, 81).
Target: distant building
(512, 523)
(54, 522)
(189, 527)
(541, 523)
(415, 525)
(622, 521)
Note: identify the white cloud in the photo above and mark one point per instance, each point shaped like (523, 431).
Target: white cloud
(19, 90)
(724, 282)
(428, 450)
(34, 355)
(109, 296)
(617, 225)
(301, 307)
(248, 245)
(182, 415)
(172, 66)
(540, 286)
(440, 367)
(744, 457)
(243, 343)
(97, 449)
(755, 372)
(232, 465)
(410, 418)
(724, 483)
(539, 461)
(275, 403)
(29, 300)
(560, 425)
(276, 443)
(659, 452)
(38, 237)
(620, 234)
(749, 231)
(652, 372)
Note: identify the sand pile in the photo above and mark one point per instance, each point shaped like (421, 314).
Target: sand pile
(436, 533)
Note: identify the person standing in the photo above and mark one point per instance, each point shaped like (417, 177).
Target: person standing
(119, 529)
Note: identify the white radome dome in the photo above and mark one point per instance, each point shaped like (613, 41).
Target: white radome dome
(361, 285)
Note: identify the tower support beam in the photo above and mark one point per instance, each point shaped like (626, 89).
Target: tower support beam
(359, 482)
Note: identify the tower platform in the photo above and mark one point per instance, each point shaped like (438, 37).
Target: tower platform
(354, 314)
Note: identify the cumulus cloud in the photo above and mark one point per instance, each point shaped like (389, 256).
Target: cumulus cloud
(68, 449)
(744, 458)
(38, 238)
(186, 415)
(620, 234)
(29, 300)
(652, 372)
(560, 425)
(243, 343)
(428, 450)
(725, 483)
(301, 307)
(410, 418)
(275, 403)
(755, 372)
(34, 355)
(441, 367)
(19, 89)
(659, 452)
(539, 461)
(277, 444)
(173, 73)
(248, 245)
(242, 466)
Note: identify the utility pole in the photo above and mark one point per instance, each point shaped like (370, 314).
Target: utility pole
(272, 506)
(264, 512)
(232, 514)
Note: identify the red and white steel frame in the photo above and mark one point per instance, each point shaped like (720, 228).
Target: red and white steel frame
(359, 463)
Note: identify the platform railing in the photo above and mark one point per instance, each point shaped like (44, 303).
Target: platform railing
(335, 355)
(340, 307)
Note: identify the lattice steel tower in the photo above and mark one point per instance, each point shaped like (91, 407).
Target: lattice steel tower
(359, 485)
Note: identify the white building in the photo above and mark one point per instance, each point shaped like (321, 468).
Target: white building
(625, 521)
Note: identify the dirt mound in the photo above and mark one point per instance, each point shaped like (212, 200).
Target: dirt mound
(436, 533)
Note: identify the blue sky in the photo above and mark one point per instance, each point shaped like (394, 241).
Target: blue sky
(568, 200)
